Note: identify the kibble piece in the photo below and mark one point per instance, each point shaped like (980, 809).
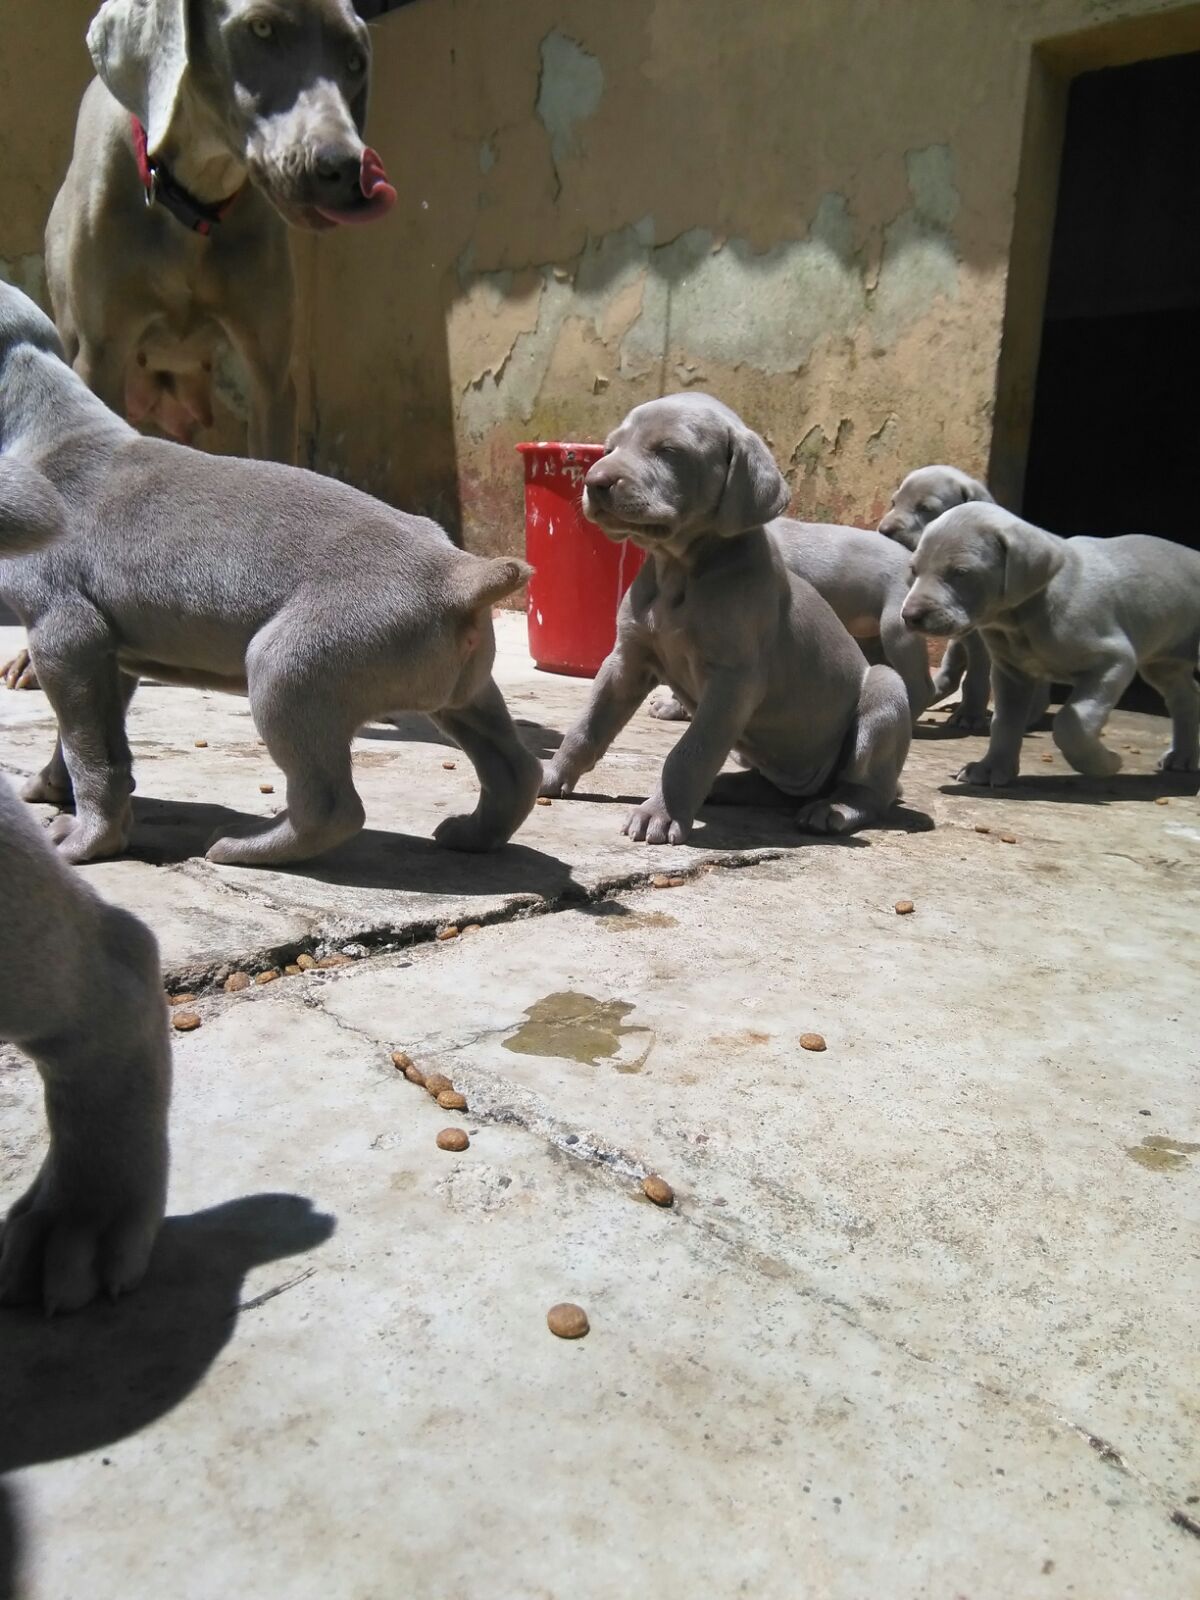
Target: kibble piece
(451, 1100)
(437, 1083)
(904, 908)
(453, 1139)
(185, 1021)
(982, 827)
(658, 1190)
(306, 963)
(292, 969)
(414, 1074)
(660, 881)
(333, 961)
(1008, 838)
(401, 1060)
(268, 976)
(542, 800)
(473, 927)
(450, 932)
(181, 999)
(201, 744)
(1162, 800)
(236, 981)
(266, 788)
(566, 1321)
(1046, 756)
(449, 765)
(811, 1041)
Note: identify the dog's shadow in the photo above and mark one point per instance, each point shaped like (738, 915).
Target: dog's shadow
(413, 727)
(1080, 791)
(74, 1384)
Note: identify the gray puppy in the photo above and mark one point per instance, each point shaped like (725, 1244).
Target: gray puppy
(325, 606)
(865, 581)
(749, 649)
(1088, 612)
(924, 495)
(81, 992)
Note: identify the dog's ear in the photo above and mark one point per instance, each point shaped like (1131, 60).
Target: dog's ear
(140, 51)
(755, 489)
(1031, 558)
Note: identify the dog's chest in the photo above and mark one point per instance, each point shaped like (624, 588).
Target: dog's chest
(1028, 650)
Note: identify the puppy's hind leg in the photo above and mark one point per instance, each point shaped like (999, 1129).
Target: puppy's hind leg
(509, 775)
(868, 782)
(1174, 680)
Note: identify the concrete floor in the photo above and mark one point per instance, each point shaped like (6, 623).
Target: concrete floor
(923, 1320)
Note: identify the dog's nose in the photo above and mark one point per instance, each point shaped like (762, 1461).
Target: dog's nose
(337, 171)
(888, 527)
(913, 616)
(601, 480)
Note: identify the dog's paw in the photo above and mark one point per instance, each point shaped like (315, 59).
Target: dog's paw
(1179, 761)
(553, 785)
(668, 709)
(41, 789)
(652, 823)
(1098, 761)
(18, 673)
(77, 842)
(466, 832)
(966, 720)
(63, 1249)
(829, 816)
(986, 775)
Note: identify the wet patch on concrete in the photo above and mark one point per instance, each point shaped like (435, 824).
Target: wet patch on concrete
(579, 1027)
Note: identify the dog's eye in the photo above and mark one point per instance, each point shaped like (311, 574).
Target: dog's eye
(261, 28)
(355, 63)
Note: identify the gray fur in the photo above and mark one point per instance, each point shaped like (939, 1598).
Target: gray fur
(749, 649)
(80, 992)
(327, 607)
(1088, 612)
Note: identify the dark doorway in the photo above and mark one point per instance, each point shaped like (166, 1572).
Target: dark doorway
(1116, 421)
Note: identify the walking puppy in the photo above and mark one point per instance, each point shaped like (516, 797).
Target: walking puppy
(865, 581)
(750, 650)
(326, 607)
(1089, 612)
(81, 992)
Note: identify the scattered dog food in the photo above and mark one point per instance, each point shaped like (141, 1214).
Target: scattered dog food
(181, 999)
(453, 1139)
(542, 800)
(1046, 756)
(333, 961)
(306, 963)
(662, 880)
(291, 970)
(237, 981)
(266, 788)
(449, 932)
(1008, 838)
(449, 765)
(811, 1041)
(437, 1083)
(414, 1074)
(982, 827)
(200, 744)
(658, 1190)
(451, 1100)
(269, 976)
(473, 927)
(185, 1021)
(905, 908)
(1162, 800)
(401, 1060)
(566, 1321)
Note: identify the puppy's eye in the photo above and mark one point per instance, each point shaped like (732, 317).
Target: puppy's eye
(355, 63)
(261, 28)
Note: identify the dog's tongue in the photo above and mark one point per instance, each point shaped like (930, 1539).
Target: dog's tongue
(378, 194)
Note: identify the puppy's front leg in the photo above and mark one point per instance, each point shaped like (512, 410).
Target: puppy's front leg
(1013, 693)
(1079, 724)
(969, 652)
(689, 772)
(622, 683)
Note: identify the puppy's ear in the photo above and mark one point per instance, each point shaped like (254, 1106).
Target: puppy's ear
(755, 489)
(140, 52)
(1031, 558)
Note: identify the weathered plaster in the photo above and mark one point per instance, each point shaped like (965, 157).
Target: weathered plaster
(569, 89)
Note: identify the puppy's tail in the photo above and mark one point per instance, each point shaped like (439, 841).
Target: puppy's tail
(32, 513)
(480, 581)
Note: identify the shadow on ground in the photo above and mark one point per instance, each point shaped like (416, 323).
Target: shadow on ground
(75, 1384)
(1080, 791)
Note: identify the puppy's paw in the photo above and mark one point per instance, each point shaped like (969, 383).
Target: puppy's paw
(1179, 761)
(555, 786)
(77, 842)
(18, 673)
(652, 823)
(42, 789)
(969, 721)
(1096, 762)
(62, 1249)
(467, 832)
(668, 709)
(829, 816)
(986, 775)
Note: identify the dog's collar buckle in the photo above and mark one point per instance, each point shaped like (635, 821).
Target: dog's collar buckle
(161, 189)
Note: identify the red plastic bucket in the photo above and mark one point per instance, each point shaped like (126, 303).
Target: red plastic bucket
(579, 575)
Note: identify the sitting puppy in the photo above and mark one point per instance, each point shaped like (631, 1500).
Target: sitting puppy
(326, 607)
(865, 581)
(1088, 612)
(750, 650)
(81, 991)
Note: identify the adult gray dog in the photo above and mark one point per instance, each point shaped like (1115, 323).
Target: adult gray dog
(865, 581)
(1088, 612)
(325, 606)
(750, 650)
(81, 992)
(924, 495)
(211, 127)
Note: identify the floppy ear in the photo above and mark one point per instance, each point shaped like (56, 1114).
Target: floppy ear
(1031, 558)
(755, 489)
(140, 51)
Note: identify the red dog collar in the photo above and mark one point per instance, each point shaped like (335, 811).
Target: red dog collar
(162, 189)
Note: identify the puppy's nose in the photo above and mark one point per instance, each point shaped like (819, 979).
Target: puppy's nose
(889, 527)
(601, 480)
(914, 616)
(337, 173)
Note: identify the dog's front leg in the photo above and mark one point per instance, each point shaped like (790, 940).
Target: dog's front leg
(264, 343)
(967, 656)
(1080, 722)
(622, 683)
(1013, 693)
(689, 772)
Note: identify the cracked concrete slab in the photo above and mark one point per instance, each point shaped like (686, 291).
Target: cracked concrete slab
(917, 1323)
